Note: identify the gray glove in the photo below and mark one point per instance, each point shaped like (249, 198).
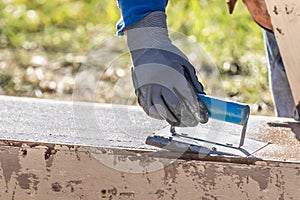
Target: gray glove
(165, 82)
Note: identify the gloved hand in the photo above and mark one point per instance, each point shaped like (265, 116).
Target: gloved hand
(165, 82)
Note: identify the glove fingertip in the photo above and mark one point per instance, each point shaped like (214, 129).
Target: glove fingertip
(203, 118)
(203, 113)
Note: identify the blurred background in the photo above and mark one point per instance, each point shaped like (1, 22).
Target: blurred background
(48, 48)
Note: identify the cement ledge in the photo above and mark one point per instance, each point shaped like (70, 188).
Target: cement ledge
(64, 150)
(47, 171)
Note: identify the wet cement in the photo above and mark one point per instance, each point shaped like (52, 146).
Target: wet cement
(107, 125)
(39, 170)
(81, 123)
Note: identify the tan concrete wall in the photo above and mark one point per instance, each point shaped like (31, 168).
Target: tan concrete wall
(40, 171)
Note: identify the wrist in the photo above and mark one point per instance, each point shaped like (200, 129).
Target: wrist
(154, 19)
(150, 32)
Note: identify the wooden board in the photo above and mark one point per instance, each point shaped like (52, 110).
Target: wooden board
(285, 17)
(75, 173)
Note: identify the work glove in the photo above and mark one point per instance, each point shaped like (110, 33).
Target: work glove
(164, 80)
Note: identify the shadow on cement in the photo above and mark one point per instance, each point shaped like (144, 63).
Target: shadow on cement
(294, 126)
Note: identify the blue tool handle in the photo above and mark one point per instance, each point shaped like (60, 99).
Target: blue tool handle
(227, 111)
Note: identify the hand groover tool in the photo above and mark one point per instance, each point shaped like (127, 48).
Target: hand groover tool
(219, 136)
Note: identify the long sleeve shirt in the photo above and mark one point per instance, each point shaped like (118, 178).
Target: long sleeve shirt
(133, 11)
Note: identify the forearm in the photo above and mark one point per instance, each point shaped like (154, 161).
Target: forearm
(134, 10)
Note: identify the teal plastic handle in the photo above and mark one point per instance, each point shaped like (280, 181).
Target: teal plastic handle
(228, 111)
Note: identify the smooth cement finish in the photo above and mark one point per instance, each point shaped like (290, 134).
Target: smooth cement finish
(65, 150)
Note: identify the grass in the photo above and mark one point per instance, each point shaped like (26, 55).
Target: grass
(43, 44)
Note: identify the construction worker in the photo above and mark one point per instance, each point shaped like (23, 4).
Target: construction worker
(280, 88)
(165, 81)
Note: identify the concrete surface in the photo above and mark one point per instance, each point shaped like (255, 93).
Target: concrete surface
(106, 125)
(74, 123)
(61, 150)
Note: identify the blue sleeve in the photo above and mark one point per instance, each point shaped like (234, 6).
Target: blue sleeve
(134, 10)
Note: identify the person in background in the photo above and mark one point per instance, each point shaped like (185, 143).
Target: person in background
(280, 88)
(165, 81)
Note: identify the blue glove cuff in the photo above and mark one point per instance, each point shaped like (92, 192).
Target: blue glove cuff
(134, 10)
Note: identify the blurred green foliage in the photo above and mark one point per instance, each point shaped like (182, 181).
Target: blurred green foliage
(55, 24)
(60, 27)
